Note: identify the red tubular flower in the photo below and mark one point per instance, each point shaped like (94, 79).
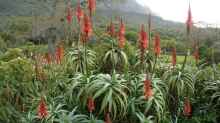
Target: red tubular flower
(59, 54)
(90, 104)
(143, 38)
(87, 27)
(111, 29)
(157, 49)
(48, 58)
(148, 92)
(91, 6)
(69, 13)
(196, 54)
(107, 118)
(42, 109)
(189, 22)
(174, 56)
(187, 110)
(79, 12)
(122, 34)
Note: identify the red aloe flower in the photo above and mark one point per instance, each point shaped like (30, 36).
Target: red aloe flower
(148, 92)
(87, 27)
(196, 54)
(111, 29)
(157, 49)
(42, 109)
(91, 6)
(187, 110)
(143, 38)
(69, 13)
(174, 56)
(79, 12)
(189, 22)
(48, 58)
(90, 104)
(107, 118)
(59, 54)
(122, 34)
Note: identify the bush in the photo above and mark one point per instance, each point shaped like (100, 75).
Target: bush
(11, 54)
(131, 36)
(3, 45)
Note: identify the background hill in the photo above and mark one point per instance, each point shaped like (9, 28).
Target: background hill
(20, 13)
(133, 13)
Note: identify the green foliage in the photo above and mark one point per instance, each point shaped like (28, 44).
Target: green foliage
(81, 59)
(11, 54)
(115, 58)
(111, 92)
(16, 70)
(114, 77)
(131, 36)
(3, 45)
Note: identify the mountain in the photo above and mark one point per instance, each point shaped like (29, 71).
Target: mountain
(129, 9)
(25, 7)
(131, 12)
(43, 16)
(124, 6)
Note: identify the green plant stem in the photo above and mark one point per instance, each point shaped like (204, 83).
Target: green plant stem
(185, 60)
(113, 60)
(79, 38)
(85, 56)
(142, 59)
(154, 67)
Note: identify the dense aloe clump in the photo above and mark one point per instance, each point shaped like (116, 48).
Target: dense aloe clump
(91, 74)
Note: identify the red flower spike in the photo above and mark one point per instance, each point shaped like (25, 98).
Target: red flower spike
(148, 92)
(121, 35)
(87, 27)
(187, 110)
(189, 22)
(79, 12)
(174, 56)
(42, 109)
(143, 38)
(69, 13)
(107, 118)
(91, 6)
(111, 29)
(196, 54)
(59, 54)
(157, 49)
(90, 104)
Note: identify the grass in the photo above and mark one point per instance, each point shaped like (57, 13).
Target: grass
(180, 59)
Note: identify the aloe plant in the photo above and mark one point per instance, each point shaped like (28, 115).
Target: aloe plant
(115, 57)
(111, 91)
(180, 83)
(78, 58)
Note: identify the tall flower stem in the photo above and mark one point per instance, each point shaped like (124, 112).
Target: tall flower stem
(79, 37)
(113, 59)
(155, 64)
(85, 58)
(185, 60)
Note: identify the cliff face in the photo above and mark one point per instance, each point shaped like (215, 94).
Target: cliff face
(124, 6)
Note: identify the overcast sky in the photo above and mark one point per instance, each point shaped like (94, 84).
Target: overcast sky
(176, 10)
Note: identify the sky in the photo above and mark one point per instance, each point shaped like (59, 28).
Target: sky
(202, 10)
